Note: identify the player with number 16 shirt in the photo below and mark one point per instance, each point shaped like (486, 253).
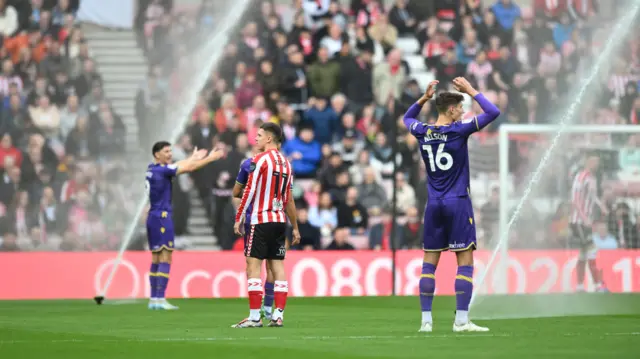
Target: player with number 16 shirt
(448, 218)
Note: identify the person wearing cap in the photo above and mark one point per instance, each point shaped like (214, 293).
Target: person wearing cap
(349, 147)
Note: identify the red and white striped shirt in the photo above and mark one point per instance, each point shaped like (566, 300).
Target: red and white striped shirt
(584, 195)
(267, 189)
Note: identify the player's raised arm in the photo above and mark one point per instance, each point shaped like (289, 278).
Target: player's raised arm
(414, 126)
(491, 111)
(198, 159)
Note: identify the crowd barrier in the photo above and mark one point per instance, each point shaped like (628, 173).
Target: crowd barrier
(43, 275)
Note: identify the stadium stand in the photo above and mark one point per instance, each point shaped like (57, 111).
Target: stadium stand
(336, 75)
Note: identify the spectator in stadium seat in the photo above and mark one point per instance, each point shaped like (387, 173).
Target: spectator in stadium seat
(50, 213)
(10, 184)
(389, 77)
(356, 80)
(257, 111)
(349, 147)
(110, 133)
(54, 61)
(401, 18)
(372, 195)
(9, 22)
(448, 67)
(46, 117)
(63, 88)
(324, 75)
(602, 239)
(382, 156)
(309, 234)
(229, 112)
(9, 242)
(85, 81)
(410, 233)
(562, 30)
(322, 118)
(20, 217)
(479, 70)
(341, 240)
(9, 77)
(330, 170)
(248, 90)
(8, 150)
(324, 215)
(14, 119)
(384, 33)
(506, 13)
(468, 48)
(304, 153)
(406, 196)
(334, 39)
(60, 11)
(91, 102)
(352, 214)
(81, 142)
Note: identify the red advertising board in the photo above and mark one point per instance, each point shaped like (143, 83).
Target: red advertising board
(324, 273)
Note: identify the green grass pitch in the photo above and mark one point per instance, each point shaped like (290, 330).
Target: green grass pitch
(382, 327)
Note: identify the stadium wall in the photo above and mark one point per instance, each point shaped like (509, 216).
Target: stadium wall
(323, 273)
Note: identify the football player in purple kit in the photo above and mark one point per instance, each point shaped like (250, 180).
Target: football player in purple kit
(241, 181)
(160, 233)
(448, 217)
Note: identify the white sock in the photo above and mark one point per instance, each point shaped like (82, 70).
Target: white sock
(426, 317)
(278, 314)
(268, 311)
(462, 317)
(153, 299)
(254, 314)
(580, 287)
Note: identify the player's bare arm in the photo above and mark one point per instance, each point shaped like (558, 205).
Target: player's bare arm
(197, 160)
(428, 95)
(290, 210)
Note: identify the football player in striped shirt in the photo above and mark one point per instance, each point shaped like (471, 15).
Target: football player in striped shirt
(268, 192)
(584, 199)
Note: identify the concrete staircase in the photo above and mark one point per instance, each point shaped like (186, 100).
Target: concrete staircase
(123, 67)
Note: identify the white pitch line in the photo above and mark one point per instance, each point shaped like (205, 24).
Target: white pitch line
(363, 337)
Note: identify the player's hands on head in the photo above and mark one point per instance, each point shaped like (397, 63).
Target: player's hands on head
(462, 85)
(431, 90)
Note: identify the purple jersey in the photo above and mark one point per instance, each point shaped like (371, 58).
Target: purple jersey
(449, 212)
(446, 156)
(158, 184)
(243, 175)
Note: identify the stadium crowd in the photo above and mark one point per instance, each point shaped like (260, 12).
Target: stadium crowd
(337, 80)
(60, 141)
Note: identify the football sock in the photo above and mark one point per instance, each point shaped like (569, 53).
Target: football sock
(281, 288)
(595, 273)
(162, 280)
(580, 273)
(254, 287)
(268, 297)
(153, 281)
(427, 290)
(464, 289)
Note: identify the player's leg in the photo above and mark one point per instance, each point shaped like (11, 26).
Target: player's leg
(153, 280)
(255, 248)
(462, 241)
(164, 266)
(277, 251)
(581, 264)
(267, 304)
(434, 242)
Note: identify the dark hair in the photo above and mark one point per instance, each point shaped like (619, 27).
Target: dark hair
(446, 100)
(274, 130)
(159, 146)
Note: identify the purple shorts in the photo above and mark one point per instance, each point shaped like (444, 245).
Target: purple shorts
(449, 225)
(160, 232)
